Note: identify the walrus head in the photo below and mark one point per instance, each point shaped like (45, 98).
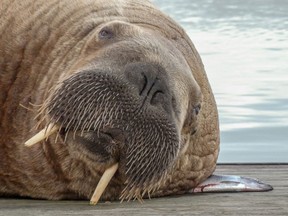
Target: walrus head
(128, 100)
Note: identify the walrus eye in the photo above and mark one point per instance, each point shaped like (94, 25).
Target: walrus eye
(197, 109)
(106, 33)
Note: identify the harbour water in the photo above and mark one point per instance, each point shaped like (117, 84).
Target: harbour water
(244, 47)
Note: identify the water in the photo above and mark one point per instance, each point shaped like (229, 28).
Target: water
(244, 47)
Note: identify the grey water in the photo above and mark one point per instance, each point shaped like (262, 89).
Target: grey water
(244, 47)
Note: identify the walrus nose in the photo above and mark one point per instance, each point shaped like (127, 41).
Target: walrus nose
(148, 79)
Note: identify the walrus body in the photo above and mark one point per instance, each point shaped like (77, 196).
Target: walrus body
(51, 51)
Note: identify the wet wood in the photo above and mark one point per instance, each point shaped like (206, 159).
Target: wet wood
(264, 203)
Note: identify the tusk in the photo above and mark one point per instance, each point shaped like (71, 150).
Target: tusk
(43, 134)
(104, 181)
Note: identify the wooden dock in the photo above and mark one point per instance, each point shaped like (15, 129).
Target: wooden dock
(250, 203)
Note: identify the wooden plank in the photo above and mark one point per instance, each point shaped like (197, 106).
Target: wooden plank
(265, 203)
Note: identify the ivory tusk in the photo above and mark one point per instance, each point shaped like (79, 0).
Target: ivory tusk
(43, 134)
(104, 181)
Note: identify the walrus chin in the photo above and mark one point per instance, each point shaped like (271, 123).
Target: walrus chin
(100, 117)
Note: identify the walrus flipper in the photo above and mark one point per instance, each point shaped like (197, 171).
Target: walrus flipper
(230, 183)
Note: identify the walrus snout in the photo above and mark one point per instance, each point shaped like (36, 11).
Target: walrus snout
(152, 87)
(93, 106)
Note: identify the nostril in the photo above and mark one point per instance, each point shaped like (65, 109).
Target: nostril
(151, 86)
(157, 97)
(145, 82)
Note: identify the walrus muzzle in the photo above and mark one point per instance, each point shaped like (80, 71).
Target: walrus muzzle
(125, 119)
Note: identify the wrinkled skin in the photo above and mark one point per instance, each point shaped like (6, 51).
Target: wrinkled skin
(124, 83)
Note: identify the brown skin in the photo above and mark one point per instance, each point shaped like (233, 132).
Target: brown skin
(46, 49)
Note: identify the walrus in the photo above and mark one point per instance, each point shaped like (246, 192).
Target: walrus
(113, 90)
